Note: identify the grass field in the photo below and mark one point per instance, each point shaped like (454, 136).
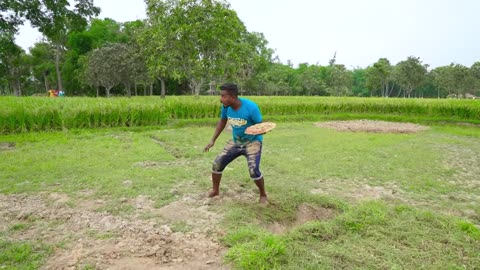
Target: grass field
(29, 114)
(135, 197)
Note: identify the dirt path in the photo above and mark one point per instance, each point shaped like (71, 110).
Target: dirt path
(84, 237)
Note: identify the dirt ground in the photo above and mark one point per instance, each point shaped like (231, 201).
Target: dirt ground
(372, 126)
(103, 241)
(182, 235)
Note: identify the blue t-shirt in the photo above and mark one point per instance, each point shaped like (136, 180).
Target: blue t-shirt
(247, 115)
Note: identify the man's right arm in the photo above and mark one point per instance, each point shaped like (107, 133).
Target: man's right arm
(220, 126)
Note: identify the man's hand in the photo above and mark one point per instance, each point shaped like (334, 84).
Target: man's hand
(209, 145)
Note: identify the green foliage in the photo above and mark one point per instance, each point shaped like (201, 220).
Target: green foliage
(242, 235)
(359, 87)
(379, 77)
(470, 229)
(410, 74)
(199, 41)
(99, 71)
(14, 68)
(265, 252)
(43, 64)
(454, 80)
(55, 19)
(22, 255)
(192, 45)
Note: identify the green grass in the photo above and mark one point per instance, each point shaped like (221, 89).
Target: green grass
(103, 162)
(429, 220)
(22, 255)
(19, 227)
(29, 114)
(372, 235)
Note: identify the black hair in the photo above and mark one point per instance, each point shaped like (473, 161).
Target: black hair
(231, 88)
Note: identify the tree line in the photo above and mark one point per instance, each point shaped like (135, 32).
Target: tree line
(188, 47)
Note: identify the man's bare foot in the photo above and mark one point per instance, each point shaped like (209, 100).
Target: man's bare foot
(213, 193)
(263, 200)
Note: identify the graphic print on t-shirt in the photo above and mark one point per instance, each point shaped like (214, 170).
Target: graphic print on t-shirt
(237, 122)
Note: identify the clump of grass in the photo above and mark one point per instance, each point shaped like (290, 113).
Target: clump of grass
(469, 229)
(19, 227)
(264, 252)
(22, 255)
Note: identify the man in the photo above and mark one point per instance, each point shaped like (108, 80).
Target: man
(241, 113)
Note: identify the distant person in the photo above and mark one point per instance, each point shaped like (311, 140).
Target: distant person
(61, 93)
(51, 93)
(240, 113)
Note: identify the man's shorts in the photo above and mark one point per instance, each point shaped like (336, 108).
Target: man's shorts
(252, 151)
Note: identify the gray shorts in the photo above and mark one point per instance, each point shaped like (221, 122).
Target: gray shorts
(252, 151)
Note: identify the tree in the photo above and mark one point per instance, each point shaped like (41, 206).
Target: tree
(379, 76)
(108, 67)
(475, 71)
(310, 80)
(359, 81)
(141, 75)
(43, 63)
(454, 79)
(11, 12)
(443, 80)
(13, 64)
(340, 81)
(55, 20)
(428, 88)
(193, 39)
(279, 79)
(99, 33)
(410, 74)
(105, 31)
(256, 57)
(463, 79)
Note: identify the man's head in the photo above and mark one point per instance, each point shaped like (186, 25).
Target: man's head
(228, 94)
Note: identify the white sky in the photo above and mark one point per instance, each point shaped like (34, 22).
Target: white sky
(360, 31)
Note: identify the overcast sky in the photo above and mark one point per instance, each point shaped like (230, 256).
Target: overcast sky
(359, 31)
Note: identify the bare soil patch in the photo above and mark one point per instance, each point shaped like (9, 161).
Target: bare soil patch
(305, 213)
(4, 146)
(356, 191)
(372, 126)
(84, 237)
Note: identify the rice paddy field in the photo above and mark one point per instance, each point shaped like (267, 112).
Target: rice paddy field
(352, 183)
(45, 114)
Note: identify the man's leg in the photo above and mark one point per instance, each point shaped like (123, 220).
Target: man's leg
(254, 154)
(261, 188)
(216, 178)
(229, 153)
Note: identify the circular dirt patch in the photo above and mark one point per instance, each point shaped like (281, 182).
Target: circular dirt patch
(372, 126)
(305, 213)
